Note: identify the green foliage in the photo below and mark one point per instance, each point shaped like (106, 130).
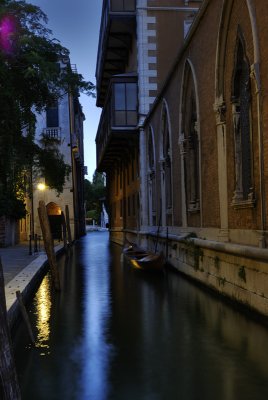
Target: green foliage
(95, 193)
(48, 161)
(30, 81)
(12, 206)
(93, 214)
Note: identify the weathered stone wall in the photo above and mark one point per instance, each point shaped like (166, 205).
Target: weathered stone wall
(227, 256)
(9, 231)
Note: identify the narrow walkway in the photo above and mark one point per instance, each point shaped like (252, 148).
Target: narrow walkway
(15, 259)
(21, 272)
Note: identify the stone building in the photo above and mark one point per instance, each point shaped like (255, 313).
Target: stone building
(194, 158)
(62, 126)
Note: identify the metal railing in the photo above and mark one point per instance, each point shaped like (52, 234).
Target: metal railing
(52, 133)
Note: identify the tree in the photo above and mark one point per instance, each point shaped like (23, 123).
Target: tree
(30, 81)
(95, 193)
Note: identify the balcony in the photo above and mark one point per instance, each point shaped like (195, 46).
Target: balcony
(115, 41)
(52, 133)
(118, 123)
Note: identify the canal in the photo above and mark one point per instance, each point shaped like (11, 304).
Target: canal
(114, 333)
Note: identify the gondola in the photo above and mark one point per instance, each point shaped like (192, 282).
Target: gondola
(143, 259)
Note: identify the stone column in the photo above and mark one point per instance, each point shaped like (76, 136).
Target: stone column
(183, 183)
(143, 182)
(222, 168)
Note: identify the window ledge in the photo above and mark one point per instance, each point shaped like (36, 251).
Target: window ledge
(194, 208)
(241, 204)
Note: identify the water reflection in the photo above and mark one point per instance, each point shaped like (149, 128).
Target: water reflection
(114, 333)
(97, 312)
(42, 305)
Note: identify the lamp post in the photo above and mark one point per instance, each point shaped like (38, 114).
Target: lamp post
(31, 236)
(41, 186)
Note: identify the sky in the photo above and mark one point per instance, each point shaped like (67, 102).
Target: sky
(75, 23)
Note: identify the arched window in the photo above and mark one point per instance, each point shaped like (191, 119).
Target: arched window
(190, 142)
(166, 169)
(151, 178)
(241, 104)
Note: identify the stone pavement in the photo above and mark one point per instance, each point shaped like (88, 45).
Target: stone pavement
(21, 272)
(15, 259)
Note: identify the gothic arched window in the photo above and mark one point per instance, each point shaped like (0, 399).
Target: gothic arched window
(241, 105)
(151, 179)
(190, 143)
(166, 168)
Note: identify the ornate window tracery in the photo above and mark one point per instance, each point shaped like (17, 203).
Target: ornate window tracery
(189, 142)
(166, 168)
(151, 179)
(241, 107)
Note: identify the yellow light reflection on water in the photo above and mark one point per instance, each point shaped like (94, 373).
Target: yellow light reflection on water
(43, 313)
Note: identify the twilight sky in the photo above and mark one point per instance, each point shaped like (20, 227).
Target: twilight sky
(76, 25)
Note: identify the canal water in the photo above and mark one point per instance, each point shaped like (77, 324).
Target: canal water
(114, 333)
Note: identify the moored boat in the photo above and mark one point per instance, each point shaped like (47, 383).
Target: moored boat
(143, 259)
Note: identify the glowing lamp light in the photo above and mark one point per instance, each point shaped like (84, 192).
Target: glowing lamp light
(41, 186)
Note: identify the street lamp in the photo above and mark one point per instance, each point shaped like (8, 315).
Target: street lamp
(33, 236)
(41, 186)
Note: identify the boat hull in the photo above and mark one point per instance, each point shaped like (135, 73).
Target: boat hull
(144, 260)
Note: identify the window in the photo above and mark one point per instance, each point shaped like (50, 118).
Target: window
(133, 205)
(151, 179)
(187, 25)
(166, 169)
(123, 5)
(190, 143)
(121, 208)
(128, 206)
(241, 102)
(125, 104)
(52, 115)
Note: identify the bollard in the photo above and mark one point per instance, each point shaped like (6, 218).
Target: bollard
(25, 316)
(39, 243)
(30, 245)
(63, 223)
(35, 244)
(69, 234)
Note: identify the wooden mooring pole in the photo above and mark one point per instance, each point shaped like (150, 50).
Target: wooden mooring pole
(69, 233)
(64, 233)
(25, 316)
(48, 243)
(9, 386)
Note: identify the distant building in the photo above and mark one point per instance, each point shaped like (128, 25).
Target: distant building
(182, 136)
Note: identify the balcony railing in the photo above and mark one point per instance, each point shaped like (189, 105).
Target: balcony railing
(52, 133)
(113, 13)
(119, 118)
